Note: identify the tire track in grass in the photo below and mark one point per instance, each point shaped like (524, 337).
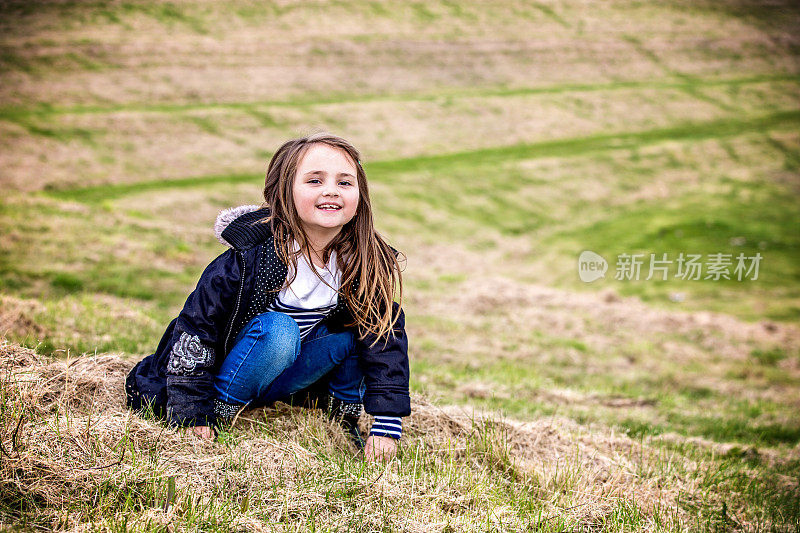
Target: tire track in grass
(573, 146)
(17, 114)
(691, 85)
(382, 170)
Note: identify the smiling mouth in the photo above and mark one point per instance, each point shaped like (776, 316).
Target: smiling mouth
(329, 207)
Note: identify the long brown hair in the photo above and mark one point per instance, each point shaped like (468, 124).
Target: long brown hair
(371, 274)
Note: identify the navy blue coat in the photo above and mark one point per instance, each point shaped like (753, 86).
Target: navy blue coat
(177, 380)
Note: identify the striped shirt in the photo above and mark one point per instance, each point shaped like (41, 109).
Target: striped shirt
(306, 318)
(387, 426)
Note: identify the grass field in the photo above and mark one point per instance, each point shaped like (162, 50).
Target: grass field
(501, 140)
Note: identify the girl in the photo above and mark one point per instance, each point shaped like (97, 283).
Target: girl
(299, 308)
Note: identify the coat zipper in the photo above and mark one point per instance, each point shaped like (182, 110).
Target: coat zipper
(238, 302)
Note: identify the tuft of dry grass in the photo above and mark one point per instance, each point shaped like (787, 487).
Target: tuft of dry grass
(16, 316)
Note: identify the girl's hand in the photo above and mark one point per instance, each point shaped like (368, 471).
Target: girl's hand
(202, 432)
(383, 448)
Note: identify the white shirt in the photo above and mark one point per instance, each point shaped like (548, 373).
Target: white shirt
(308, 299)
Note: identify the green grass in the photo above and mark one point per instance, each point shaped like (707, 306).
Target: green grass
(745, 219)
(100, 193)
(603, 391)
(769, 357)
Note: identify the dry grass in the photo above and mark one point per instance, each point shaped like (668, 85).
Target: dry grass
(17, 317)
(74, 459)
(512, 44)
(66, 438)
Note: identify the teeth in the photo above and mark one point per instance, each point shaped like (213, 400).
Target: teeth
(329, 207)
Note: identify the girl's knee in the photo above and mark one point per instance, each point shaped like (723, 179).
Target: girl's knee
(276, 324)
(274, 321)
(277, 335)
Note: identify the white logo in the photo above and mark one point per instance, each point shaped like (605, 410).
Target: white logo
(591, 266)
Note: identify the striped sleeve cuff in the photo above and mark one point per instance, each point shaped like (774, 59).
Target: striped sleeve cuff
(387, 426)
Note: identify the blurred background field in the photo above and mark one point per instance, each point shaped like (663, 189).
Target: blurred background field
(501, 139)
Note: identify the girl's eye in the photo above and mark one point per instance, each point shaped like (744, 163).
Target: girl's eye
(318, 180)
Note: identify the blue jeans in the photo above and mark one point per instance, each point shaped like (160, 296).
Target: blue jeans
(269, 362)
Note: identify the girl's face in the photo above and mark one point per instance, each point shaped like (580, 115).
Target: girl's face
(325, 190)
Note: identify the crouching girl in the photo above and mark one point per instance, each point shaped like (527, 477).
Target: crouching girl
(300, 308)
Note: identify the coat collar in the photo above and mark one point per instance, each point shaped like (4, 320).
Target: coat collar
(241, 227)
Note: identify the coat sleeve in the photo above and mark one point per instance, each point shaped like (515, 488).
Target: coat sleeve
(385, 369)
(198, 332)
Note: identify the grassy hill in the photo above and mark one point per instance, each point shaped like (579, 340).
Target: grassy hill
(501, 139)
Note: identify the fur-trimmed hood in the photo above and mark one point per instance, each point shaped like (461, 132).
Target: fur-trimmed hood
(226, 216)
